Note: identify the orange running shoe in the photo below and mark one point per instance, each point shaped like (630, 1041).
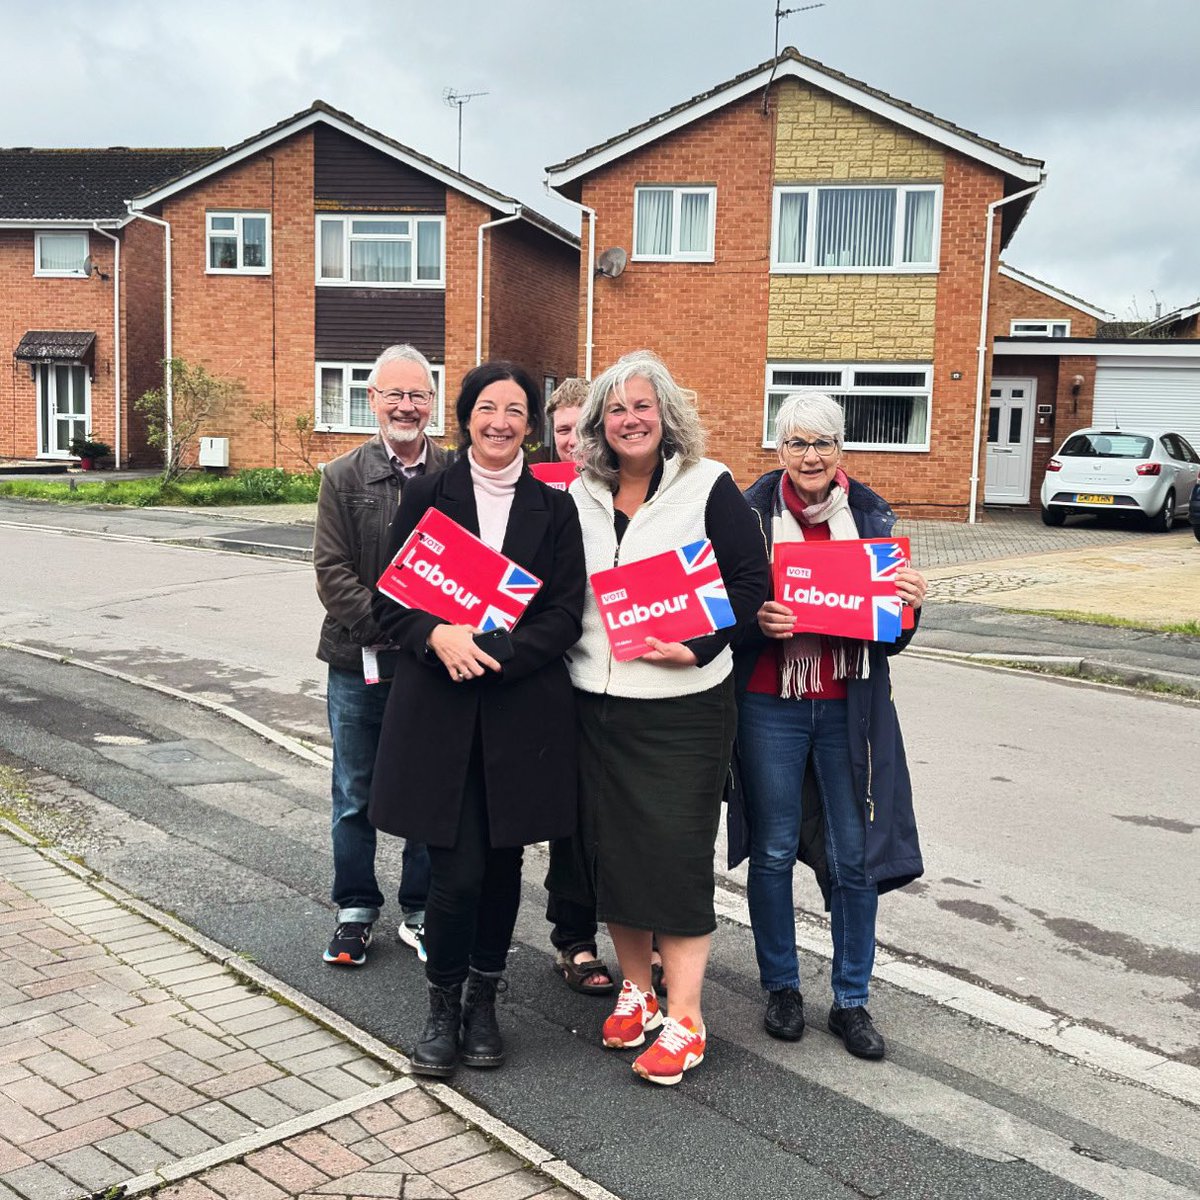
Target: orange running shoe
(636, 1011)
(678, 1048)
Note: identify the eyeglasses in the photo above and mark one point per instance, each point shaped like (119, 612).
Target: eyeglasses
(417, 398)
(799, 447)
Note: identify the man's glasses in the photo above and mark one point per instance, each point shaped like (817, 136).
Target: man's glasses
(799, 447)
(417, 398)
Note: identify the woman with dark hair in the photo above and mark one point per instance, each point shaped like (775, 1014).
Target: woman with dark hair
(477, 756)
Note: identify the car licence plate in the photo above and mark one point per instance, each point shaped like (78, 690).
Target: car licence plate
(1086, 498)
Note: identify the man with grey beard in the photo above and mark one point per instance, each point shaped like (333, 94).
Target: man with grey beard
(359, 495)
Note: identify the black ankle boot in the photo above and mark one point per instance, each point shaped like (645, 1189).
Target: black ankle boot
(437, 1051)
(482, 1045)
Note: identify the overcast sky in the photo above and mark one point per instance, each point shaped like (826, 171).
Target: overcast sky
(1107, 92)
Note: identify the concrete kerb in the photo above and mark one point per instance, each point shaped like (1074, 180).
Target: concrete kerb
(1078, 670)
(512, 1140)
(1104, 1051)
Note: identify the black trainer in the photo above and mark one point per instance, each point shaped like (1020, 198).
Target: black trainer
(437, 1051)
(858, 1033)
(482, 1045)
(348, 947)
(785, 1015)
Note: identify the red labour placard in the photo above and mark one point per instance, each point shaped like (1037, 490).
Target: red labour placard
(672, 597)
(444, 570)
(845, 589)
(558, 475)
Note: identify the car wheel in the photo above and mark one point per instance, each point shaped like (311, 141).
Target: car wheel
(1162, 520)
(1053, 516)
(1196, 531)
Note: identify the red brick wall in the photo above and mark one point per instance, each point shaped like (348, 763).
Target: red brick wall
(254, 328)
(533, 300)
(142, 332)
(1012, 300)
(708, 321)
(29, 303)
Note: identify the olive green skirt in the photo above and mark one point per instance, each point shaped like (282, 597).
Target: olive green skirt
(651, 777)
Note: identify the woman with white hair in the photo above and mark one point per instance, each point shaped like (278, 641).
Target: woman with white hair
(655, 732)
(821, 757)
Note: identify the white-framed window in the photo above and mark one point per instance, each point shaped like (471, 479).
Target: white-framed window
(60, 254)
(856, 228)
(674, 224)
(343, 403)
(1053, 329)
(239, 243)
(886, 404)
(382, 250)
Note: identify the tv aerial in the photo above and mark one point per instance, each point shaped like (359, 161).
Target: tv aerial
(780, 13)
(457, 100)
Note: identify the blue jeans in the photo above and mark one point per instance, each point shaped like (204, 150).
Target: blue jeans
(775, 739)
(355, 718)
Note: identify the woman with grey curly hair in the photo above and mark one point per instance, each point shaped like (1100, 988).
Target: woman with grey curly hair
(821, 757)
(655, 732)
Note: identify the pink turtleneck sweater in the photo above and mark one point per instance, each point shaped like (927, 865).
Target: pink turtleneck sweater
(494, 497)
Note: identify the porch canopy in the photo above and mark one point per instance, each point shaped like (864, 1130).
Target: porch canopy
(56, 345)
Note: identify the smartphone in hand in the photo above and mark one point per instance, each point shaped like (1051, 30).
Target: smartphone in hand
(497, 643)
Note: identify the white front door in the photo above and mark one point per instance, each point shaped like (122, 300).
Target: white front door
(1009, 441)
(64, 407)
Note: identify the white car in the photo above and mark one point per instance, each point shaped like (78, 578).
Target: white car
(1150, 471)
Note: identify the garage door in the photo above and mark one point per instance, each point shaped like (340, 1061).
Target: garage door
(1164, 395)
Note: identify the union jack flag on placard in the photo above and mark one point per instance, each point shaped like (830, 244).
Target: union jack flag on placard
(697, 557)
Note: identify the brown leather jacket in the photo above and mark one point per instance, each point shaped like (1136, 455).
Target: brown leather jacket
(358, 498)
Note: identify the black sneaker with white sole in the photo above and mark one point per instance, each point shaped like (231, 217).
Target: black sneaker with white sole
(348, 947)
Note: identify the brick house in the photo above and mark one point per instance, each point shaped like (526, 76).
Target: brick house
(300, 253)
(81, 298)
(293, 258)
(794, 228)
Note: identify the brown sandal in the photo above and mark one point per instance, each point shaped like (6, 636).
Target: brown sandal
(580, 977)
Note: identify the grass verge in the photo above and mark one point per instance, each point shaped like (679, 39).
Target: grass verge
(264, 485)
(1157, 687)
(1191, 628)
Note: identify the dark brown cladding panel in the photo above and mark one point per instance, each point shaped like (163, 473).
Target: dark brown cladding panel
(355, 324)
(352, 177)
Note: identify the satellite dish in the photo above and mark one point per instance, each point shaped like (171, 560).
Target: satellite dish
(611, 262)
(89, 265)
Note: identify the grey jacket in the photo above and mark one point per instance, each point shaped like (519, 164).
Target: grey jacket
(358, 499)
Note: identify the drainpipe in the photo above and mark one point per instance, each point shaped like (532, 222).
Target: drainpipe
(591, 275)
(168, 343)
(116, 241)
(479, 281)
(983, 342)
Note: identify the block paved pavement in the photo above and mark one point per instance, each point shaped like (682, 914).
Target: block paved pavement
(132, 1060)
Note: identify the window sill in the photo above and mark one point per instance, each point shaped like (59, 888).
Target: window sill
(237, 271)
(777, 269)
(366, 285)
(671, 258)
(59, 275)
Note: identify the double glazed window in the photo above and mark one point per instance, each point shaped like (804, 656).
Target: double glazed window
(1055, 329)
(674, 224)
(856, 228)
(343, 402)
(60, 255)
(382, 250)
(886, 406)
(239, 243)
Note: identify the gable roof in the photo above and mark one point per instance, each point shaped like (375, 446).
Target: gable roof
(48, 186)
(1054, 293)
(1177, 316)
(791, 64)
(321, 113)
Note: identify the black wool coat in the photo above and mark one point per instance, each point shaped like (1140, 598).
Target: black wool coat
(522, 717)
